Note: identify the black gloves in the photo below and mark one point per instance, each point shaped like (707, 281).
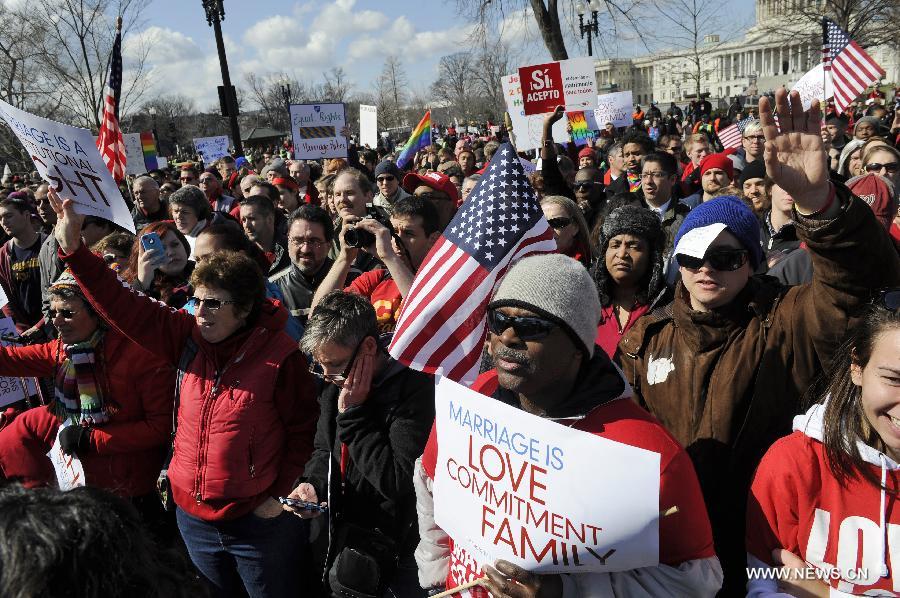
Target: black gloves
(74, 439)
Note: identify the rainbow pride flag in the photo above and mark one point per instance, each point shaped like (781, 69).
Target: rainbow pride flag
(418, 139)
(148, 147)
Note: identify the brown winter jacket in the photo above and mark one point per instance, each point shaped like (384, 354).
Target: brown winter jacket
(727, 383)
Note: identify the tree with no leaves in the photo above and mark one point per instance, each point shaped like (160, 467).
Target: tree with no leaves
(869, 22)
(390, 92)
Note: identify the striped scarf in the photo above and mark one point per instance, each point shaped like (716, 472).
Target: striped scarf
(77, 391)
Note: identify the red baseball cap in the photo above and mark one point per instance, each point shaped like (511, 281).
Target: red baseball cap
(435, 180)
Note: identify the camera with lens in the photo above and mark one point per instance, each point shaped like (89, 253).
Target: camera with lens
(357, 237)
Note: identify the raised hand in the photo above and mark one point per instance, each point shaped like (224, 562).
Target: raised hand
(795, 158)
(68, 223)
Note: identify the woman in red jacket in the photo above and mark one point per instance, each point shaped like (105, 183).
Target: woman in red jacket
(118, 396)
(246, 411)
(824, 499)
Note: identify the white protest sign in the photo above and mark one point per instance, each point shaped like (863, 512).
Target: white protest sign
(612, 108)
(13, 388)
(211, 148)
(368, 125)
(68, 468)
(162, 162)
(548, 498)
(134, 152)
(67, 158)
(812, 86)
(316, 130)
(527, 129)
(3, 298)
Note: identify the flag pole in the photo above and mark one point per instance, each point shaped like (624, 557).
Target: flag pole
(824, 69)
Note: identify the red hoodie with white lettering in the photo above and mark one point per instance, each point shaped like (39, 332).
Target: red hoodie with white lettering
(850, 533)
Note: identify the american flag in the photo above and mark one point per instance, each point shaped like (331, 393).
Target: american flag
(852, 69)
(109, 141)
(730, 136)
(441, 329)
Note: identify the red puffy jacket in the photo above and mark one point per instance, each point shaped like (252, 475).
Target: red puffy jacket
(247, 410)
(125, 453)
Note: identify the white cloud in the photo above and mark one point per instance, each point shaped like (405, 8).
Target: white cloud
(164, 45)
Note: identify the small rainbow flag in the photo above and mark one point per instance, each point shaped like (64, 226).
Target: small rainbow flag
(580, 131)
(419, 138)
(148, 147)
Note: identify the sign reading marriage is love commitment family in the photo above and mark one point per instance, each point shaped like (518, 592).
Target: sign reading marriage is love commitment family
(67, 158)
(514, 486)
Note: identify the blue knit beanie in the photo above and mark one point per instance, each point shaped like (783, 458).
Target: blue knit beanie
(735, 215)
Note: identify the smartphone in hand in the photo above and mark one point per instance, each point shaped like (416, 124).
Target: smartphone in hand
(153, 241)
(296, 503)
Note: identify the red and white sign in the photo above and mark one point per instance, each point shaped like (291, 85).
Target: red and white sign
(570, 83)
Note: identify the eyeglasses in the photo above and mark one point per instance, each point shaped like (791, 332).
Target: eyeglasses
(656, 175)
(558, 223)
(385, 179)
(756, 138)
(889, 299)
(211, 303)
(338, 379)
(527, 328)
(891, 167)
(206, 180)
(65, 314)
(723, 260)
(582, 185)
(300, 242)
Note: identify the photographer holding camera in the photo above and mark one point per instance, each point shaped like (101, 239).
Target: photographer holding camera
(400, 243)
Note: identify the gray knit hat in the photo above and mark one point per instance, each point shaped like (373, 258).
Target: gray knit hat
(555, 287)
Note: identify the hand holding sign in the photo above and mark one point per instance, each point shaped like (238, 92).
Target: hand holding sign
(68, 223)
(508, 580)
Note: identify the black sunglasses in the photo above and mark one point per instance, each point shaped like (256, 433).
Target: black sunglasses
(723, 260)
(889, 166)
(65, 314)
(580, 185)
(527, 328)
(558, 223)
(211, 303)
(386, 178)
(889, 299)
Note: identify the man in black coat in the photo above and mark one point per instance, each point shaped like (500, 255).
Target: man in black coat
(374, 421)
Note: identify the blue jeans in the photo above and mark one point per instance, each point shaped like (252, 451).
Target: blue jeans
(263, 555)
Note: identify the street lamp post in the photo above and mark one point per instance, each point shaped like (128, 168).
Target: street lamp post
(286, 94)
(215, 14)
(591, 27)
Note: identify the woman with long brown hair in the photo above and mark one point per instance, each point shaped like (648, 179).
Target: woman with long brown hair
(163, 272)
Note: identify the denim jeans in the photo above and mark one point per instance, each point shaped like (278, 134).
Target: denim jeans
(262, 555)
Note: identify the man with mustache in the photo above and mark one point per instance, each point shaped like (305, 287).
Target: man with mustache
(542, 322)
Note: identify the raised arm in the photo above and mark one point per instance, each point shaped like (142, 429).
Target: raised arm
(149, 323)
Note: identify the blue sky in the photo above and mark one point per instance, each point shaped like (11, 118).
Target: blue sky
(307, 37)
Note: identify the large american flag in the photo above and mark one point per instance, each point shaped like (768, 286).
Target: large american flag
(731, 135)
(110, 141)
(441, 329)
(852, 69)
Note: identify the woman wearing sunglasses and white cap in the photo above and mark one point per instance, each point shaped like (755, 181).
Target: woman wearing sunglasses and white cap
(724, 366)
(245, 405)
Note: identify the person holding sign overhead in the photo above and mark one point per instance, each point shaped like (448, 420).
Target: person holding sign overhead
(542, 322)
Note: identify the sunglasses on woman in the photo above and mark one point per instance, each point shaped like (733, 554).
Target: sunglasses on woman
(559, 223)
(891, 167)
(527, 328)
(889, 299)
(723, 260)
(211, 303)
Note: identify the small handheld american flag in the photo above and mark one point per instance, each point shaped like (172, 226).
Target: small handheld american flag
(731, 136)
(441, 329)
(852, 70)
(110, 141)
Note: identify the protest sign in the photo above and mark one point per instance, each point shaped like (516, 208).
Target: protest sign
(581, 132)
(316, 130)
(527, 129)
(612, 108)
(812, 86)
(67, 158)
(546, 497)
(68, 468)
(134, 154)
(211, 148)
(571, 83)
(12, 388)
(368, 125)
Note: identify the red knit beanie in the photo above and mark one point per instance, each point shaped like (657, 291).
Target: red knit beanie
(720, 161)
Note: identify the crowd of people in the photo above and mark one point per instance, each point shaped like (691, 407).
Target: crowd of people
(223, 376)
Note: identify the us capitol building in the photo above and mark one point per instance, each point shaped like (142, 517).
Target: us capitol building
(770, 54)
